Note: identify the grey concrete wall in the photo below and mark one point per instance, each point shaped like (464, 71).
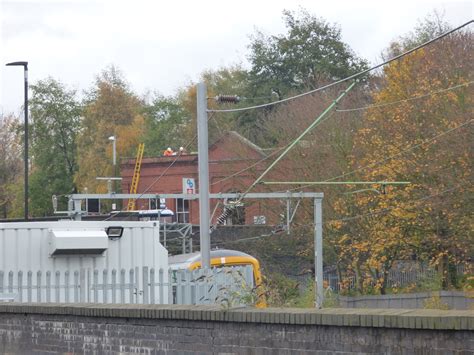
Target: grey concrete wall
(453, 299)
(113, 329)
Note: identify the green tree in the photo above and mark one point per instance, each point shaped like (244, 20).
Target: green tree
(310, 52)
(11, 168)
(231, 80)
(55, 123)
(165, 124)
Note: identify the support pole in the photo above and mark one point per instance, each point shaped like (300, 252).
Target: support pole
(288, 216)
(26, 143)
(203, 163)
(295, 142)
(318, 253)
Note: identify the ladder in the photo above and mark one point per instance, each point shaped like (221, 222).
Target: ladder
(136, 176)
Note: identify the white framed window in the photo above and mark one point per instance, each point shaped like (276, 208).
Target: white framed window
(182, 210)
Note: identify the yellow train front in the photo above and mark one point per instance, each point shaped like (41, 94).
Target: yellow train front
(221, 258)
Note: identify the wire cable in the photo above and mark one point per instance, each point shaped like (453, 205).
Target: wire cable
(263, 159)
(385, 210)
(354, 76)
(427, 141)
(314, 124)
(388, 209)
(161, 175)
(250, 166)
(405, 100)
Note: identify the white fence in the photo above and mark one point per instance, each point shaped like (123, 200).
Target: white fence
(228, 286)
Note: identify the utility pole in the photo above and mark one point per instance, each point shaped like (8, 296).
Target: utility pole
(318, 253)
(25, 71)
(203, 164)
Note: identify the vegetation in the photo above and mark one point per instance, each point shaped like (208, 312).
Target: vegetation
(417, 128)
(55, 123)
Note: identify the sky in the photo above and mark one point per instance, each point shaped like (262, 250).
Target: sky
(163, 45)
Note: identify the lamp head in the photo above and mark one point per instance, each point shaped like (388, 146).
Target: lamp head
(23, 64)
(111, 138)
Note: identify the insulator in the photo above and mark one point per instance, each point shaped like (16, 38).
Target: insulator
(228, 209)
(231, 99)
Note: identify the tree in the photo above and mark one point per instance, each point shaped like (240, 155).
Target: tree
(55, 123)
(111, 109)
(308, 55)
(310, 52)
(224, 81)
(11, 169)
(424, 141)
(430, 27)
(165, 124)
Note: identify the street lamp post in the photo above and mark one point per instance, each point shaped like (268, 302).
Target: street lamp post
(25, 69)
(114, 140)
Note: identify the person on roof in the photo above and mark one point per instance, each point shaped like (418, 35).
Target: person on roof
(168, 152)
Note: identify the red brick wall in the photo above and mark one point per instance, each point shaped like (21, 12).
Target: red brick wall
(226, 157)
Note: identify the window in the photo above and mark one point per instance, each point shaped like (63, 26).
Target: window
(182, 210)
(237, 214)
(153, 204)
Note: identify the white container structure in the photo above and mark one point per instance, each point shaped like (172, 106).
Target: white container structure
(79, 261)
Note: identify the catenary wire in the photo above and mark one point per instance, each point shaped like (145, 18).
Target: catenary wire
(161, 175)
(263, 159)
(407, 99)
(354, 76)
(341, 219)
(426, 141)
(357, 109)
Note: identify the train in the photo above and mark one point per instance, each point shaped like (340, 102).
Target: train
(222, 258)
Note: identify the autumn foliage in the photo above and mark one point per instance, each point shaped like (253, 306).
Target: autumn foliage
(427, 142)
(410, 122)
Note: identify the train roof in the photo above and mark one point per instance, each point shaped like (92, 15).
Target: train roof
(217, 253)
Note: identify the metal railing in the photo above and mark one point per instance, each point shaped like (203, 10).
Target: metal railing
(228, 286)
(396, 277)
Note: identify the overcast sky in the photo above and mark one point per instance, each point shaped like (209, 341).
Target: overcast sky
(163, 45)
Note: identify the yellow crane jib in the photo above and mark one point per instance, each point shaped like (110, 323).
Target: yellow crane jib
(136, 176)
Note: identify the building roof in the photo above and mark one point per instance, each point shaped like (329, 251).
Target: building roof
(242, 139)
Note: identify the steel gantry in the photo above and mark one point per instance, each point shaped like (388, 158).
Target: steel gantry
(75, 211)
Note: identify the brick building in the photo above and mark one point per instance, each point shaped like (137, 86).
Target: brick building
(227, 156)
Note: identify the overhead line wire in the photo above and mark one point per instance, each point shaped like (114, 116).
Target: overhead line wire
(309, 128)
(426, 141)
(344, 219)
(407, 99)
(277, 150)
(391, 208)
(163, 173)
(354, 76)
